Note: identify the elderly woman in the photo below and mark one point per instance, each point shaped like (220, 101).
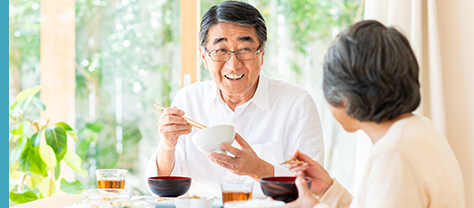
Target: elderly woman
(371, 83)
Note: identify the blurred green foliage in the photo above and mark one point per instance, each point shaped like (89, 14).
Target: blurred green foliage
(137, 43)
(24, 36)
(34, 166)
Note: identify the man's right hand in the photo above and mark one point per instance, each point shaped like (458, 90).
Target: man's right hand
(321, 180)
(170, 126)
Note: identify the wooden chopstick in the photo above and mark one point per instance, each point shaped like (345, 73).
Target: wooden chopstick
(293, 161)
(184, 118)
(188, 119)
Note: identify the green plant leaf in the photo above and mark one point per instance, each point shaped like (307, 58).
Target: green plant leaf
(57, 139)
(13, 105)
(95, 127)
(37, 178)
(65, 126)
(45, 186)
(18, 149)
(23, 197)
(14, 167)
(29, 182)
(57, 170)
(39, 104)
(30, 160)
(73, 135)
(23, 95)
(35, 139)
(71, 188)
(18, 129)
(15, 175)
(23, 105)
(82, 146)
(47, 154)
(74, 161)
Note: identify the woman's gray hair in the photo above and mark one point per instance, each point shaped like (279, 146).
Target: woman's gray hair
(235, 12)
(373, 71)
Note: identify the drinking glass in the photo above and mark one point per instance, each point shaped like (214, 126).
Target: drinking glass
(236, 190)
(111, 178)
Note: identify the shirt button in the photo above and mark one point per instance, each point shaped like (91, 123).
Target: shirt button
(234, 120)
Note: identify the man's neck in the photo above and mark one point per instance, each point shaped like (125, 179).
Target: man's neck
(235, 100)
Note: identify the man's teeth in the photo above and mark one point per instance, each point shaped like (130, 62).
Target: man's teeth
(234, 76)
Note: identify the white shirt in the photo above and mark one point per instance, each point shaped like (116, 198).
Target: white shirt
(411, 166)
(280, 118)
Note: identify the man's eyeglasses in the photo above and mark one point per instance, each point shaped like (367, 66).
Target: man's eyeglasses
(244, 54)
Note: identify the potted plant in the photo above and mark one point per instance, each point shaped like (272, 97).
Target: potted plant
(34, 166)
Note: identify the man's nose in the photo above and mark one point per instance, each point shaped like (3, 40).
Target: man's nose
(233, 62)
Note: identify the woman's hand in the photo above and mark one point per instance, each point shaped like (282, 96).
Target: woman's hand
(321, 180)
(305, 196)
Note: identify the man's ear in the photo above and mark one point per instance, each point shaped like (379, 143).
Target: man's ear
(203, 56)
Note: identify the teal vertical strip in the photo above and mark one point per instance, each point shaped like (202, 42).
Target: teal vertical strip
(4, 101)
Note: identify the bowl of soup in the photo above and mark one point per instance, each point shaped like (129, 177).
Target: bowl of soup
(169, 186)
(281, 188)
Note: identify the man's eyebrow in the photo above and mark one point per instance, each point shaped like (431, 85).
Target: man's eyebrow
(218, 40)
(243, 38)
(246, 38)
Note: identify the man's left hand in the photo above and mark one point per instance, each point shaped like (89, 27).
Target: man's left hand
(244, 162)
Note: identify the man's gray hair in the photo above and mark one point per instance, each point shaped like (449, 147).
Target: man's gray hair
(235, 12)
(372, 69)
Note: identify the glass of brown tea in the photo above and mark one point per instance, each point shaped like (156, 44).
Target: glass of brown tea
(236, 190)
(111, 178)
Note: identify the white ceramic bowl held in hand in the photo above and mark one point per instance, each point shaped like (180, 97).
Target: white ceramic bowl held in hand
(209, 139)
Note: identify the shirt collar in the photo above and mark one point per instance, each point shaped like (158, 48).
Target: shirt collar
(260, 98)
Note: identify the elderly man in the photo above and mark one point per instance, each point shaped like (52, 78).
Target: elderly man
(272, 118)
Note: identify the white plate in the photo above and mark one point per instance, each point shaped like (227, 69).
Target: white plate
(170, 204)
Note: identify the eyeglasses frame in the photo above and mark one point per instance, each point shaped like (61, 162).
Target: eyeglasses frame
(236, 54)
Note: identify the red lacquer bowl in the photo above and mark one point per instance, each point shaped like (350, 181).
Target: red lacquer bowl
(281, 188)
(169, 186)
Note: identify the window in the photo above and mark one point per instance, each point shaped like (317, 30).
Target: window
(128, 56)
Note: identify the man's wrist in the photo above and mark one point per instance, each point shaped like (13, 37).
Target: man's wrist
(166, 148)
(268, 170)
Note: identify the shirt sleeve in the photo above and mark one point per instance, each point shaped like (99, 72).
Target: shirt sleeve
(322, 205)
(336, 197)
(305, 131)
(279, 170)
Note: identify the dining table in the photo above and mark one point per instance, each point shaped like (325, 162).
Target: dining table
(58, 200)
(64, 200)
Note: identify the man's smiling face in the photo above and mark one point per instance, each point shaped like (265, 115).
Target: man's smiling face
(235, 78)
